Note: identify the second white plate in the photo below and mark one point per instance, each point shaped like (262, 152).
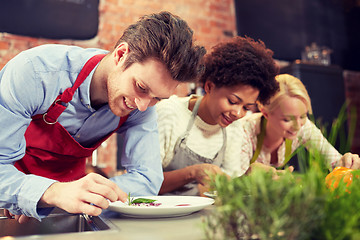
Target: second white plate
(211, 194)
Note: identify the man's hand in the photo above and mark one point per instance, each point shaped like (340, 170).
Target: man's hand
(350, 160)
(88, 195)
(19, 218)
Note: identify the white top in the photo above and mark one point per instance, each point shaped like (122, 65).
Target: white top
(308, 135)
(204, 139)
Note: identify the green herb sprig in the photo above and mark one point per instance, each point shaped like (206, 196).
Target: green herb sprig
(132, 200)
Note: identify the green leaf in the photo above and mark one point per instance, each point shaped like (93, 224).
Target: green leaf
(143, 200)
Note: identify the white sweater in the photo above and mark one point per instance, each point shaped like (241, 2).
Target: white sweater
(204, 139)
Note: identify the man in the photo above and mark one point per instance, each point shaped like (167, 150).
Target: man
(59, 103)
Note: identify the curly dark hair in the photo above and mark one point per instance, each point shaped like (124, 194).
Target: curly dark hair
(242, 61)
(167, 38)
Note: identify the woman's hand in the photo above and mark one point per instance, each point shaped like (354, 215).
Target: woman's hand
(178, 178)
(260, 166)
(202, 172)
(349, 160)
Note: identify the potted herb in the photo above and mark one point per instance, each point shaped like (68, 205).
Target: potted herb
(294, 206)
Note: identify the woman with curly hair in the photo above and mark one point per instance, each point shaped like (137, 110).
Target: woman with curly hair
(199, 134)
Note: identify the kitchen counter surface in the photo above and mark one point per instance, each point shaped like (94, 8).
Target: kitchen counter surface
(189, 227)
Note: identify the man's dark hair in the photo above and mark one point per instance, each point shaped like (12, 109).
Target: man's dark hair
(242, 61)
(167, 38)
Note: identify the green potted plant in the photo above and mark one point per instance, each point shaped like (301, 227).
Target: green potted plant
(293, 206)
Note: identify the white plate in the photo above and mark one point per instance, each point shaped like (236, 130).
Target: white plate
(211, 194)
(171, 206)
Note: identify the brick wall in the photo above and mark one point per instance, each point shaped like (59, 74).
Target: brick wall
(211, 20)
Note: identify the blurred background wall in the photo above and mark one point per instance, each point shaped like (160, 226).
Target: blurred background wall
(212, 21)
(286, 27)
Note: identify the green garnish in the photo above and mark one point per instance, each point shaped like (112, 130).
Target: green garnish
(142, 200)
(131, 200)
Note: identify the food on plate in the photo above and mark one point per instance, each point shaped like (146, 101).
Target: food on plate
(142, 202)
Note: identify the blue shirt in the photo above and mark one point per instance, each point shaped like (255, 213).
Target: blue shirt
(29, 83)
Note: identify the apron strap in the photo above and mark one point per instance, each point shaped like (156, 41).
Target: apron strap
(193, 115)
(61, 102)
(260, 141)
(288, 155)
(192, 120)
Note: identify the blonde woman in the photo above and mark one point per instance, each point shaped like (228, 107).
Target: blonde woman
(272, 135)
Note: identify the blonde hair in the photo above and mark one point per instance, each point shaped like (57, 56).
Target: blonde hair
(289, 86)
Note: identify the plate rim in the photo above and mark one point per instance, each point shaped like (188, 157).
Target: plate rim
(210, 194)
(158, 211)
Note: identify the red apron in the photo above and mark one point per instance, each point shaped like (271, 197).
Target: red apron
(50, 150)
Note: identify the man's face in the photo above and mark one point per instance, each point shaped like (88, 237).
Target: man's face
(139, 86)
